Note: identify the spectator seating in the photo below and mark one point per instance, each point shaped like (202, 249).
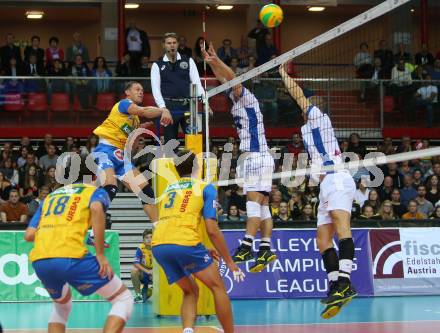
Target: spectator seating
(14, 103)
(105, 102)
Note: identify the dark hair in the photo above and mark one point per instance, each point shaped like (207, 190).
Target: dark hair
(365, 206)
(35, 37)
(130, 84)
(197, 46)
(229, 210)
(147, 232)
(226, 40)
(421, 185)
(95, 63)
(186, 166)
(54, 39)
(45, 188)
(363, 44)
(412, 200)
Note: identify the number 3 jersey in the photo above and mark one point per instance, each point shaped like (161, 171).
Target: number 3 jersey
(181, 210)
(62, 221)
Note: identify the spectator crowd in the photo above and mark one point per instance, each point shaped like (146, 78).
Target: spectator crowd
(410, 189)
(413, 80)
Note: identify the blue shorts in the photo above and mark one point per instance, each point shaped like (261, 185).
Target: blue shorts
(111, 157)
(179, 261)
(82, 274)
(145, 278)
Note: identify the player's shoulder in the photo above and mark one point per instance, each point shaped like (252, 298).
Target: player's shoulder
(141, 246)
(75, 188)
(209, 189)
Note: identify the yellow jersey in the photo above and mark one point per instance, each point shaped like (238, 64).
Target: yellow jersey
(181, 211)
(62, 221)
(118, 125)
(143, 256)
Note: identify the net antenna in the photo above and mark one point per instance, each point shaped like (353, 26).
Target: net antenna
(339, 30)
(205, 101)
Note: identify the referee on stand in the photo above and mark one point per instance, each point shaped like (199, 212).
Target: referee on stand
(171, 77)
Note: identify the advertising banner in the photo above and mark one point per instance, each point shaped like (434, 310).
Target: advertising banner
(18, 281)
(298, 271)
(406, 261)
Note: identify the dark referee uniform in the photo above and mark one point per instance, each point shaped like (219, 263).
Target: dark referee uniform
(170, 84)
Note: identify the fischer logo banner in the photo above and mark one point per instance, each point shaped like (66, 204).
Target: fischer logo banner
(406, 261)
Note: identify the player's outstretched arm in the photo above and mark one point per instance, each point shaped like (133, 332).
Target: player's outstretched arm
(216, 237)
(294, 89)
(222, 72)
(31, 230)
(97, 218)
(151, 112)
(29, 235)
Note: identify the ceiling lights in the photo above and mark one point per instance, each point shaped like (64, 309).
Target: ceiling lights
(131, 5)
(34, 14)
(224, 7)
(315, 9)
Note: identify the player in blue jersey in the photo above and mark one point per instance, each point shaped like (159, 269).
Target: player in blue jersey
(257, 167)
(337, 189)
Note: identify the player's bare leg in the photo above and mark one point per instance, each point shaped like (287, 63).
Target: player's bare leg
(133, 180)
(60, 313)
(135, 274)
(188, 309)
(341, 291)
(211, 278)
(265, 256)
(122, 305)
(253, 209)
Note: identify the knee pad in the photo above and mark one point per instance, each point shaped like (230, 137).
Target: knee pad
(61, 311)
(148, 191)
(122, 305)
(111, 190)
(253, 209)
(265, 213)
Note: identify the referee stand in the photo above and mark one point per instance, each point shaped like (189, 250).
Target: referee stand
(167, 299)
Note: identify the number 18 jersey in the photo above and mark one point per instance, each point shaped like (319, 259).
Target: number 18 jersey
(181, 211)
(62, 221)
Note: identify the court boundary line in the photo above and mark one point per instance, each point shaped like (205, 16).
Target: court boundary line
(341, 323)
(97, 328)
(247, 325)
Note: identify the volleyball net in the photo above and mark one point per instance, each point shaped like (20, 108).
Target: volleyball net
(346, 72)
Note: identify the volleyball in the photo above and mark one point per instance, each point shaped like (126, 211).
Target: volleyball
(271, 15)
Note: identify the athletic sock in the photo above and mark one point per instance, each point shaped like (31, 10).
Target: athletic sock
(265, 244)
(331, 264)
(247, 241)
(346, 255)
(188, 330)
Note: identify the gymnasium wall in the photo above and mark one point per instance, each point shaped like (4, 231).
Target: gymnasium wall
(298, 27)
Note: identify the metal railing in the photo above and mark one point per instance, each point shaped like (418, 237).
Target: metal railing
(352, 103)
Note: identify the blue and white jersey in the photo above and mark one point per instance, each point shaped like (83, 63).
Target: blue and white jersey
(320, 140)
(248, 120)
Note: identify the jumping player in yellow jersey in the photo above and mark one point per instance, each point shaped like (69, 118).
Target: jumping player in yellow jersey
(113, 134)
(178, 248)
(60, 258)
